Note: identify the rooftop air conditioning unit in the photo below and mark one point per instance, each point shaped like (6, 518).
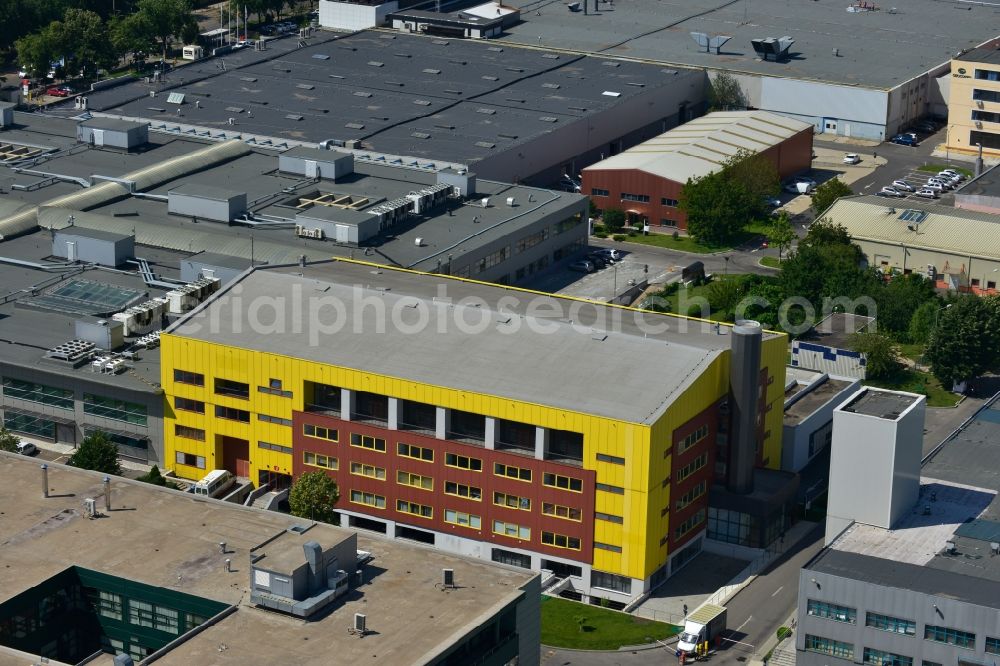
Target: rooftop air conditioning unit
(511, 201)
(360, 623)
(90, 507)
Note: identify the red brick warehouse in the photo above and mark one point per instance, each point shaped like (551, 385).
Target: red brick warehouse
(645, 181)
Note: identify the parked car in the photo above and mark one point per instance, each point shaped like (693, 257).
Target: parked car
(852, 158)
(925, 126)
(597, 259)
(902, 186)
(609, 254)
(945, 184)
(950, 176)
(800, 185)
(569, 184)
(927, 193)
(904, 140)
(957, 174)
(582, 266)
(772, 202)
(60, 91)
(26, 448)
(890, 192)
(937, 187)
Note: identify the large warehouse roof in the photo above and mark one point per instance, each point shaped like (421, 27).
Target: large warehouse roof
(925, 226)
(875, 49)
(702, 145)
(484, 338)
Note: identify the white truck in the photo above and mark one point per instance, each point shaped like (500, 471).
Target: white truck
(701, 629)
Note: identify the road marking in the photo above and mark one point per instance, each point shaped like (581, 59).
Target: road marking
(868, 185)
(744, 624)
(776, 591)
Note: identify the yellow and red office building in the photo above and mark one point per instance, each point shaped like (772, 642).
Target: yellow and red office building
(560, 434)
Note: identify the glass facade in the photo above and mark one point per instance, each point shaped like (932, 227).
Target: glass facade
(879, 658)
(123, 440)
(112, 408)
(29, 425)
(956, 637)
(745, 529)
(893, 624)
(829, 647)
(46, 395)
(611, 582)
(832, 611)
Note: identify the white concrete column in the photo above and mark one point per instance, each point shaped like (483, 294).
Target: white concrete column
(442, 422)
(541, 442)
(347, 397)
(393, 413)
(490, 437)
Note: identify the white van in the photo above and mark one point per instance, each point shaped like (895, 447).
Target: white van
(215, 483)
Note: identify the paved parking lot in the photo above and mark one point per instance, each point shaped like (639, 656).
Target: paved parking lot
(916, 180)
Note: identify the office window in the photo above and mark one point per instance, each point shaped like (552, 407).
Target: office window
(368, 499)
(672, 203)
(986, 116)
(319, 432)
(564, 482)
(367, 442)
(829, 647)
(371, 471)
(232, 389)
(189, 433)
(493, 259)
(112, 408)
(415, 480)
(599, 192)
(274, 419)
(607, 546)
(879, 658)
(46, 395)
(993, 645)
(618, 520)
(463, 462)
(639, 198)
(603, 457)
(274, 388)
(531, 240)
(463, 519)
(189, 459)
(691, 495)
(667, 222)
(692, 467)
(559, 511)
(513, 559)
(192, 378)
(610, 581)
(691, 439)
(319, 460)
(512, 501)
(414, 509)
(608, 488)
(415, 452)
(956, 637)
(691, 523)
(560, 541)
(511, 472)
(832, 611)
(165, 619)
(232, 414)
(512, 530)
(187, 405)
(106, 604)
(273, 447)
(140, 613)
(888, 623)
(463, 490)
(987, 74)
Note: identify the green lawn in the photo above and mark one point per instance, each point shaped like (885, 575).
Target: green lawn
(770, 262)
(689, 244)
(673, 300)
(918, 382)
(912, 351)
(935, 168)
(601, 629)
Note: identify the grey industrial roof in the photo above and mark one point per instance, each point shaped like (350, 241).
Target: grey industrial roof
(318, 154)
(986, 184)
(98, 234)
(944, 228)
(220, 260)
(111, 124)
(879, 49)
(983, 54)
(534, 348)
(202, 191)
(883, 404)
(457, 19)
(439, 99)
(703, 145)
(813, 398)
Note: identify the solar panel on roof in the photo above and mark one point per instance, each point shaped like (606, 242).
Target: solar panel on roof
(175, 98)
(86, 297)
(913, 215)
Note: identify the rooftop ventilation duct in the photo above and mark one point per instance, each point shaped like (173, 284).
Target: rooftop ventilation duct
(744, 380)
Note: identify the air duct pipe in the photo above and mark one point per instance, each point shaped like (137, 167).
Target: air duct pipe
(744, 383)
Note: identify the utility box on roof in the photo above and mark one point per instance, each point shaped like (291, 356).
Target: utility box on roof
(6, 114)
(112, 133)
(316, 163)
(93, 246)
(206, 202)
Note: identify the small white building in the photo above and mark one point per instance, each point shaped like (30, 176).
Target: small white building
(354, 15)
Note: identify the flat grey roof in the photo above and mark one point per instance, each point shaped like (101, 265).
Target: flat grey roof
(318, 154)
(435, 99)
(887, 405)
(983, 54)
(94, 233)
(837, 328)
(987, 184)
(169, 539)
(879, 49)
(490, 339)
(813, 399)
(202, 191)
(220, 260)
(100, 122)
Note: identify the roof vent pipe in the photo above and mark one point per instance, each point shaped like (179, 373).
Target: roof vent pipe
(744, 380)
(45, 480)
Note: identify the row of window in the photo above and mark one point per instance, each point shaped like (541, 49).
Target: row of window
(870, 656)
(639, 198)
(692, 467)
(947, 635)
(691, 495)
(693, 521)
(691, 439)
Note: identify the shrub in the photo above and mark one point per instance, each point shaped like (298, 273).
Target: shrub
(601, 234)
(783, 632)
(694, 310)
(676, 235)
(600, 228)
(619, 237)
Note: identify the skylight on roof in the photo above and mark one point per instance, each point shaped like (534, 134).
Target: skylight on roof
(320, 56)
(611, 93)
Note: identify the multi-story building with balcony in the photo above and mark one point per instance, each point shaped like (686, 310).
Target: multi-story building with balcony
(974, 102)
(540, 431)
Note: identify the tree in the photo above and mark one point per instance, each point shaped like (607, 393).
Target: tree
(8, 442)
(758, 175)
(717, 208)
(154, 477)
(83, 39)
(922, 322)
(880, 354)
(614, 220)
(98, 453)
(163, 19)
(36, 51)
(725, 93)
(963, 344)
(899, 299)
(780, 233)
(131, 34)
(826, 194)
(313, 496)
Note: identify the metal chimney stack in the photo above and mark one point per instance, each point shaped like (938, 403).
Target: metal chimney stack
(744, 382)
(107, 493)
(45, 480)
